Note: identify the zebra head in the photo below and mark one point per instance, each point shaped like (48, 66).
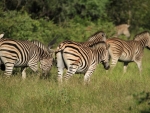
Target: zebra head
(103, 54)
(45, 65)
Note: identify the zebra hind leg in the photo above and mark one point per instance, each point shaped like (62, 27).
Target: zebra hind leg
(9, 69)
(71, 71)
(23, 71)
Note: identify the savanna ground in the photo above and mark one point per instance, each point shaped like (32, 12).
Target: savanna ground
(107, 93)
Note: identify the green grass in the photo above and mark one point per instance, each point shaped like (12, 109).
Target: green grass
(107, 93)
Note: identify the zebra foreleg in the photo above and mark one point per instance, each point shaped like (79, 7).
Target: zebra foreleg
(88, 74)
(125, 67)
(139, 64)
(23, 71)
(34, 67)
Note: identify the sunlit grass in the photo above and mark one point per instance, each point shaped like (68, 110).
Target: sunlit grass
(110, 92)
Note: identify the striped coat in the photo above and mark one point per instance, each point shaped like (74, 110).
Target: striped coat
(17, 53)
(128, 51)
(77, 58)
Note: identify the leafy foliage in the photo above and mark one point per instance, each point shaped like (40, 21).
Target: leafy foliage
(133, 12)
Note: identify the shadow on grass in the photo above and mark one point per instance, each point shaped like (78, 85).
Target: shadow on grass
(145, 111)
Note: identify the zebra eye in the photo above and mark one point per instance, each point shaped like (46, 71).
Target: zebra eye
(103, 35)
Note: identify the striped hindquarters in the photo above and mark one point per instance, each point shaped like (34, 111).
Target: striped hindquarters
(79, 59)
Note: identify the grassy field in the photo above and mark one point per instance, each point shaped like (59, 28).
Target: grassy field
(107, 93)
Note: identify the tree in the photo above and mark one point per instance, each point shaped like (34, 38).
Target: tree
(133, 12)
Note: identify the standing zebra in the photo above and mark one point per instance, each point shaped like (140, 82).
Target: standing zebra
(128, 51)
(23, 54)
(81, 59)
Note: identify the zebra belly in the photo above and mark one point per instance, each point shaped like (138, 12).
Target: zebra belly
(81, 70)
(125, 58)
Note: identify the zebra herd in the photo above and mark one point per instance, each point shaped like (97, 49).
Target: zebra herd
(76, 57)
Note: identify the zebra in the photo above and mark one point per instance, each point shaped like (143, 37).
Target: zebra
(19, 53)
(122, 29)
(77, 58)
(128, 51)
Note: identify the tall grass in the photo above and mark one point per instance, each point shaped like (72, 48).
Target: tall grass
(110, 92)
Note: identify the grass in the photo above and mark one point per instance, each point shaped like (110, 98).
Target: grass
(106, 93)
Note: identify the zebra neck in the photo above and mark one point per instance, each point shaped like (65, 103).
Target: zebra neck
(144, 42)
(97, 55)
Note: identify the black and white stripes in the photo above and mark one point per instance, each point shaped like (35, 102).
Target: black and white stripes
(77, 58)
(23, 54)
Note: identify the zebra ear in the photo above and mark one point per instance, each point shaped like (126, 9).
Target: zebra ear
(50, 45)
(1, 35)
(50, 50)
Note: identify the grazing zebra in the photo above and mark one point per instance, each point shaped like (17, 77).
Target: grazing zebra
(80, 59)
(23, 54)
(128, 51)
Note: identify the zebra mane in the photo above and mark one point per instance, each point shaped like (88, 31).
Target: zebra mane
(98, 45)
(39, 44)
(141, 35)
(50, 45)
(96, 33)
(94, 36)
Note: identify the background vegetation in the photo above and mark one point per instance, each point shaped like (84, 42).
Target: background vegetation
(75, 20)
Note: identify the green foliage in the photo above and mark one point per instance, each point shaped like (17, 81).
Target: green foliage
(60, 10)
(19, 25)
(133, 12)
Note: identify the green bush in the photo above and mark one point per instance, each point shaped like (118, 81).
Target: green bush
(19, 25)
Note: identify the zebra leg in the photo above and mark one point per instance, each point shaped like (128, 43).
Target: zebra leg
(60, 66)
(9, 68)
(23, 70)
(33, 66)
(88, 74)
(139, 64)
(125, 67)
(113, 63)
(71, 71)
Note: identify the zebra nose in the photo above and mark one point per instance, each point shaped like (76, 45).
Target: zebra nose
(107, 67)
